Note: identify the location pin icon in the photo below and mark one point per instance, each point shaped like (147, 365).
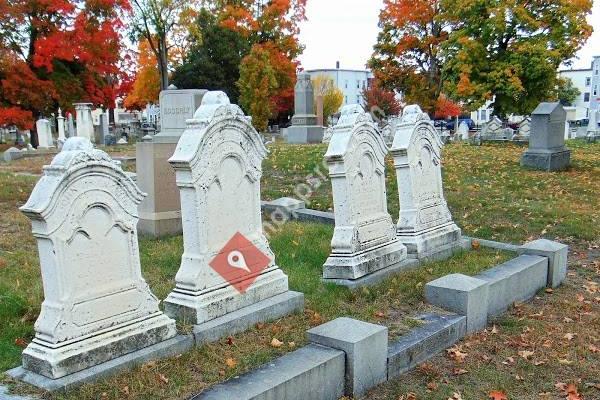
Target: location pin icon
(236, 259)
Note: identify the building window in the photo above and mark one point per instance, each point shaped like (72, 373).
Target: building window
(588, 81)
(483, 115)
(364, 84)
(358, 84)
(586, 97)
(595, 90)
(346, 99)
(357, 99)
(346, 84)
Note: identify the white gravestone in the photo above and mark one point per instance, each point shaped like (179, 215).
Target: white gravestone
(218, 165)
(493, 130)
(364, 239)
(463, 131)
(70, 126)
(84, 121)
(97, 306)
(44, 133)
(425, 225)
(525, 129)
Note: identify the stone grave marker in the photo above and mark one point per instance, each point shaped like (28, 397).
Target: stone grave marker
(425, 225)
(228, 270)
(364, 239)
(305, 128)
(524, 130)
(463, 131)
(97, 306)
(493, 130)
(160, 212)
(44, 133)
(547, 149)
(70, 126)
(84, 121)
(60, 121)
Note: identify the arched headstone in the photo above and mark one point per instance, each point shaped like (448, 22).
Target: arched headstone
(364, 239)
(227, 264)
(425, 225)
(97, 306)
(44, 133)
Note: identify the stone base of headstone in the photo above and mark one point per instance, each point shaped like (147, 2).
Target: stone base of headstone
(245, 318)
(433, 244)
(546, 160)
(358, 265)
(202, 306)
(57, 360)
(304, 134)
(375, 277)
(171, 347)
(160, 211)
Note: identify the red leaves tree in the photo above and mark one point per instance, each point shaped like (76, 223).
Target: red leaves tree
(446, 108)
(380, 101)
(57, 52)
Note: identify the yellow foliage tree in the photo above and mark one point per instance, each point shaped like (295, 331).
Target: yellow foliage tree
(146, 86)
(333, 97)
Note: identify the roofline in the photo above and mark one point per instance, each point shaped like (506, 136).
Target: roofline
(575, 70)
(339, 69)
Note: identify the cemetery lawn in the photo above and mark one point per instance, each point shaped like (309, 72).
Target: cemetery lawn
(490, 196)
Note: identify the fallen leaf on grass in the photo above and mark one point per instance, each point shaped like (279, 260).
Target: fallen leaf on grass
(162, 379)
(456, 354)
(276, 343)
(21, 342)
(291, 345)
(569, 336)
(497, 395)
(460, 371)
(526, 354)
(475, 244)
(231, 363)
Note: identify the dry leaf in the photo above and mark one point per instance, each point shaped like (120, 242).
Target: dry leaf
(475, 244)
(497, 395)
(276, 343)
(231, 363)
(162, 379)
(21, 342)
(526, 354)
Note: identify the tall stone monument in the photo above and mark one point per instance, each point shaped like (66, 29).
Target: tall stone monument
(592, 130)
(425, 224)
(97, 306)
(228, 271)
(160, 212)
(304, 127)
(84, 121)
(547, 149)
(60, 120)
(364, 239)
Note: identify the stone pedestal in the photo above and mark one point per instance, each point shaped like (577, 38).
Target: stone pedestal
(83, 119)
(547, 149)
(160, 212)
(425, 225)
(305, 128)
(227, 265)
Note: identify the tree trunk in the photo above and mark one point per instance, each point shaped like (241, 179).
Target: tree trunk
(163, 63)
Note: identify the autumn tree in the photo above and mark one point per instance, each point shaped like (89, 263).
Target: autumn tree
(270, 26)
(258, 85)
(56, 52)
(213, 61)
(332, 96)
(446, 108)
(146, 86)
(509, 51)
(162, 23)
(407, 56)
(380, 102)
(565, 92)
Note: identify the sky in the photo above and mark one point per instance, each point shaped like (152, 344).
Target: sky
(346, 30)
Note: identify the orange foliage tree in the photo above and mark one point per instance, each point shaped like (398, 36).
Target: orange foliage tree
(407, 56)
(146, 86)
(56, 52)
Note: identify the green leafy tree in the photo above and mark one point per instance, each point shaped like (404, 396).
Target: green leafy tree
(509, 51)
(566, 92)
(214, 59)
(258, 84)
(333, 97)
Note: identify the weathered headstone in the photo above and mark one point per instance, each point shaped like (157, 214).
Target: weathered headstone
(493, 130)
(463, 131)
(364, 240)
(97, 305)
(70, 126)
(304, 127)
(227, 265)
(547, 149)
(327, 134)
(524, 130)
(592, 131)
(44, 133)
(425, 225)
(85, 124)
(160, 212)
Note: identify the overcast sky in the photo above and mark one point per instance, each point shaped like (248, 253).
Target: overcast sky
(346, 30)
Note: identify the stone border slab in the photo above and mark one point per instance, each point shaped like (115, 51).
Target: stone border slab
(375, 277)
(240, 320)
(366, 347)
(312, 372)
(177, 345)
(420, 344)
(556, 253)
(516, 280)
(494, 244)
